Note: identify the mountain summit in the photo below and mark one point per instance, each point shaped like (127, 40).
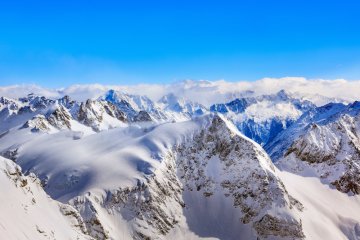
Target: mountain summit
(123, 166)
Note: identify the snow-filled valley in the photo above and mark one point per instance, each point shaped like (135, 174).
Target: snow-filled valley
(126, 166)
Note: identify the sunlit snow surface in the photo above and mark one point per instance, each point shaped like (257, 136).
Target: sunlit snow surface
(86, 167)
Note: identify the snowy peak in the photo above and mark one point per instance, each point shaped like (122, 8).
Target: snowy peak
(100, 115)
(8, 103)
(261, 118)
(125, 167)
(239, 105)
(143, 116)
(67, 102)
(128, 103)
(122, 102)
(66, 114)
(36, 102)
(172, 103)
(167, 171)
(110, 111)
(283, 95)
(317, 116)
(56, 118)
(220, 164)
(326, 143)
(168, 108)
(60, 118)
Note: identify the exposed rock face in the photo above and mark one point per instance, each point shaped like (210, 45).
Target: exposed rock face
(114, 112)
(152, 208)
(309, 151)
(60, 118)
(7, 102)
(37, 123)
(10, 154)
(168, 108)
(238, 106)
(142, 116)
(57, 119)
(67, 102)
(93, 113)
(88, 115)
(37, 102)
(214, 162)
(128, 104)
(328, 143)
(74, 217)
(271, 226)
(349, 182)
(244, 174)
(199, 177)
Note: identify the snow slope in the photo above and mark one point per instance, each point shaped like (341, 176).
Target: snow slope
(159, 180)
(125, 167)
(28, 213)
(328, 213)
(324, 143)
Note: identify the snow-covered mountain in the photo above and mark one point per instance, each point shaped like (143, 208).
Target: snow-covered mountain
(151, 181)
(122, 166)
(128, 103)
(261, 118)
(325, 143)
(113, 110)
(173, 104)
(168, 108)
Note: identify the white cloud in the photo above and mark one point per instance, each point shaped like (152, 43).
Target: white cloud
(207, 92)
(16, 91)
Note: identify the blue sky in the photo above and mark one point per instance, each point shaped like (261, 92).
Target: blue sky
(58, 43)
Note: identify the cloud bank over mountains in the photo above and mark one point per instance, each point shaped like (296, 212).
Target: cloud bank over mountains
(320, 91)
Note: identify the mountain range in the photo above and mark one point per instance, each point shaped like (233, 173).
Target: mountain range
(126, 166)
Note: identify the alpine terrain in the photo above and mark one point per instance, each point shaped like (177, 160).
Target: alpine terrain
(126, 166)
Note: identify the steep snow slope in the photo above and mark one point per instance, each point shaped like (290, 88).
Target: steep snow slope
(128, 103)
(100, 115)
(261, 118)
(13, 113)
(218, 162)
(282, 142)
(328, 213)
(200, 178)
(160, 181)
(324, 143)
(28, 213)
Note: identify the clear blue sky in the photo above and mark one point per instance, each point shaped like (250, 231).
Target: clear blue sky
(58, 43)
